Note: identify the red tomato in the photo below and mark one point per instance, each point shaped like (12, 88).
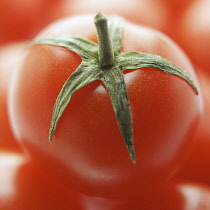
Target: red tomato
(25, 186)
(87, 150)
(173, 196)
(132, 10)
(193, 33)
(22, 19)
(10, 56)
(177, 7)
(197, 167)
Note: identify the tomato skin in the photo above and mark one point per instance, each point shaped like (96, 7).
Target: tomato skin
(173, 195)
(87, 150)
(133, 10)
(22, 19)
(25, 186)
(177, 7)
(10, 57)
(196, 167)
(193, 32)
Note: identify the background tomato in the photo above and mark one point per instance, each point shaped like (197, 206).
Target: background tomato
(177, 7)
(22, 19)
(193, 33)
(88, 151)
(197, 167)
(153, 13)
(10, 57)
(173, 196)
(24, 186)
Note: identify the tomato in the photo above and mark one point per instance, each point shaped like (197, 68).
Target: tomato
(177, 7)
(196, 167)
(10, 56)
(193, 32)
(25, 186)
(22, 19)
(173, 196)
(87, 151)
(138, 11)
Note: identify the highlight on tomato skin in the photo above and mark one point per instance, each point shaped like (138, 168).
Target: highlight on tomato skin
(196, 167)
(87, 146)
(132, 10)
(25, 186)
(10, 57)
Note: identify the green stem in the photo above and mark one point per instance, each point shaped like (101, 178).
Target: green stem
(106, 52)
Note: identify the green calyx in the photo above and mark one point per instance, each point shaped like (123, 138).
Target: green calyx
(105, 62)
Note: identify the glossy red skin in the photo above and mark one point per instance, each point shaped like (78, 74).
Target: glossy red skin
(197, 167)
(192, 33)
(20, 19)
(10, 57)
(88, 151)
(133, 10)
(25, 186)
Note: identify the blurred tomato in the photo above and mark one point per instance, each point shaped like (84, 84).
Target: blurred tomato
(197, 166)
(24, 186)
(22, 19)
(192, 32)
(171, 196)
(10, 57)
(177, 7)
